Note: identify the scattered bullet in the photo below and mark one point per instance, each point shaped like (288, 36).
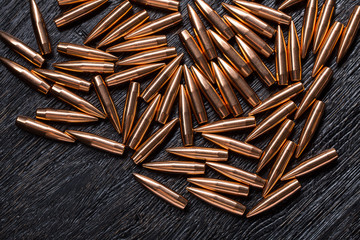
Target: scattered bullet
(288, 3)
(308, 26)
(221, 186)
(177, 167)
(200, 153)
(148, 56)
(281, 58)
(323, 23)
(85, 52)
(139, 44)
(227, 125)
(66, 116)
(185, 118)
(86, 66)
(171, 5)
(130, 109)
(68, 2)
(294, 57)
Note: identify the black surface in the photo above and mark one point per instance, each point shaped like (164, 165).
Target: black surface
(52, 190)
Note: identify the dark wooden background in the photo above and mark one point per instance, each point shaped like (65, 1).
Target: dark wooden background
(52, 190)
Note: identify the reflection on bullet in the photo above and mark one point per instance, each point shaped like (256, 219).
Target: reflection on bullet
(185, 118)
(227, 125)
(288, 3)
(97, 141)
(273, 120)
(323, 23)
(86, 66)
(200, 153)
(294, 58)
(66, 116)
(275, 197)
(32, 80)
(68, 2)
(308, 26)
(78, 12)
(130, 109)
(85, 52)
(221, 186)
(282, 74)
(155, 26)
(327, 46)
(148, 56)
(162, 191)
(139, 44)
(177, 167)
(41, 129)
(75, 101)
(21, 48)
(171, 5)
(314, 91)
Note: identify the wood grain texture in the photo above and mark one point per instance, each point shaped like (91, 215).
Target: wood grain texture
(51, 190)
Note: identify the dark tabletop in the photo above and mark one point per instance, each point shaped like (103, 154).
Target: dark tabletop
(54, 190)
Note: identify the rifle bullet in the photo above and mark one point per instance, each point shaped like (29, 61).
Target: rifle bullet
(308, 26)
(68, 2)
(323, 23)
(221, 186)
(86, 66)
(185, 118)
(148, 56)
(171, 5)
(200, 153)
(227, 125)
(130, 109)
(139, 44)
(85, 52)
(294, 57)
(177, 167)
(281, 61)
(288, 3)
(66, 116)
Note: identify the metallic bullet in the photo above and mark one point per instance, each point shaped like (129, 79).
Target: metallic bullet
(210, 93)
(40, 30)
(200, 153)
(130, 109)
(21, 48)
(281, 58)
(66, 116)
(155, 26)
(327, 47)
(185, 118)
(238, 174)
(310, 126)
(85, 52)
(170, 95)
(288, 3)
(251, 38)
(250, 20)
(32, 80)
(139, 44)
(107, 102)
(132, 74)
(41, 129)
(349, 33)
(256, 63)
(221, 186)
(75, 101)
(227, 125)
(294, 57)
(314, 91)
(148, 56)
(162, 191)
(195, 98)
(124, 28)
(275, 197)
(97, 141)
(273, 120)
(177, 167)
(171, 5)
(68, 2)
(86, 66)
(63, 79)
(239, 83)
(276, 143)
(161, 78)
(308, 26)
(143, 124)
(218, 200)
(323, 23)
(205, 43)
(78, 12)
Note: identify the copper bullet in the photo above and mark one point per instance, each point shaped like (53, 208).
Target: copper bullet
(221, 186)
(40, 30)
(349, 33)
(205, 43)
(68, 2)
(210, 93)
(238, 174)
(276, 143)
(177, 167)
(41, 129)
(139, 44)
(32, 80)
(314, 91)
(185, 118)
(21, 48)
(250, 20)
(239, 83)
(323, 23)
(143, 124)
(294, 58)
(281, 58)
(75, 101)
(288, 3)
(308, 26)
(169, 97)
(162, 191)
(63, 79)
(66, 116)
(279, 166)
(327, 47)
(218, 200)
(148, 56)
(310, 126)
(200, 153)
(78, 12)
(107, 102)
(227, 125)
(161, 78)
(124, 28)
(251, 38)
(273, 120)
(85, 52)
(130, 109)
(275, 197)
(171, 5)
(97, 141)
(256, 63)
(216, 21)
(132, 74)
(155, 26)
(86, 66)
(195, 98)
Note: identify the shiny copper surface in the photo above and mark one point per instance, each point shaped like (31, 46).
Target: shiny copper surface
(221, 186)
(148, 56)
(185, 118)
(200, 153)
(67, 116)
(130, 108)
(227, 125)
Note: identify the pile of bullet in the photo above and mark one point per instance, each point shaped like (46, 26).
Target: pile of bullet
(249, 23)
